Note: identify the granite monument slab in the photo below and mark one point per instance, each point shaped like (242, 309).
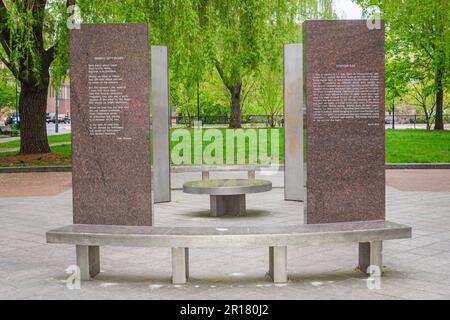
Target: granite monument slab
(345, 96)
(110, 124)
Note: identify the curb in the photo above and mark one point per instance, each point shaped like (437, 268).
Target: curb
(417, 166)
(36, 169)
(389, 166)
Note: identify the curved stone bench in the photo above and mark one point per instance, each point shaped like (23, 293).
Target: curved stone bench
(89, 238)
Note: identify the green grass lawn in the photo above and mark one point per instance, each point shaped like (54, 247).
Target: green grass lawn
(417, 146)
(402, 146)
(60, 156)
(51, 139)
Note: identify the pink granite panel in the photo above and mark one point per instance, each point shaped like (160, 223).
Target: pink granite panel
(110, 124)
(344, 83)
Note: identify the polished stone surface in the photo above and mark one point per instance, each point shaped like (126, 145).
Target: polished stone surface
(110, 124)
(344, 65)
(227, 186)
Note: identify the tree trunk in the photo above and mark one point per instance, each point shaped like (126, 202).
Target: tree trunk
(32, 110)
(235, 118)
(439, 121)
(428, 120)
(272, 121)
(427, 114)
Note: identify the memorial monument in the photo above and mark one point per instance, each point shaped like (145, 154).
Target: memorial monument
(345, 96)
(344, 78)
(110, 124)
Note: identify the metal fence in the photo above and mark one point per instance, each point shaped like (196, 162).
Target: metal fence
(415, 121)
(256, 119)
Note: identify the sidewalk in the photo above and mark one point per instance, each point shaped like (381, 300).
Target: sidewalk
(7, 139)
(63, 129)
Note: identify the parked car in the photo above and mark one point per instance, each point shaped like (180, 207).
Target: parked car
(51, 117)
(66, 118)
(388, 119)
(15, 118)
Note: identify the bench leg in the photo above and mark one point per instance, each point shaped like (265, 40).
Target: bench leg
(370, 254)
(252, 174)
(278, 264)
(180, 265)
(205, 175)
(88, 260)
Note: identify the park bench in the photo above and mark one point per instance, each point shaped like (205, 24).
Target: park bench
(89, 238)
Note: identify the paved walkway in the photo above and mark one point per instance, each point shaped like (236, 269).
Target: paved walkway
(7, 139)
(31, 204)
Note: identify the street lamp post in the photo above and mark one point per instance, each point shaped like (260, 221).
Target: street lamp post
(198, 101)
(393, 114)
(17, 104)
(56, 111)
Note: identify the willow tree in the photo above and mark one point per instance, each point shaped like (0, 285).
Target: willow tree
(248, 36)
(283, 28)
(233, 38)
(31, 32)
(420, 31)
(7, 91)
(176, 24)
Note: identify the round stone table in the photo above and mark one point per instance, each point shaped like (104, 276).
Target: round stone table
(227, 196)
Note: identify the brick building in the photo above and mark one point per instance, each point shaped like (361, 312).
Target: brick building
(64, 99)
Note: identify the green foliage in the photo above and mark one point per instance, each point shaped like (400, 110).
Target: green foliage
(23, 55)
(238, 35)
(59, 35)
(417, 45)
(7, 89)
(244, 37)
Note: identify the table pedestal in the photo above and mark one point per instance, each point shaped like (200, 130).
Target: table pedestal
(227, 205)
